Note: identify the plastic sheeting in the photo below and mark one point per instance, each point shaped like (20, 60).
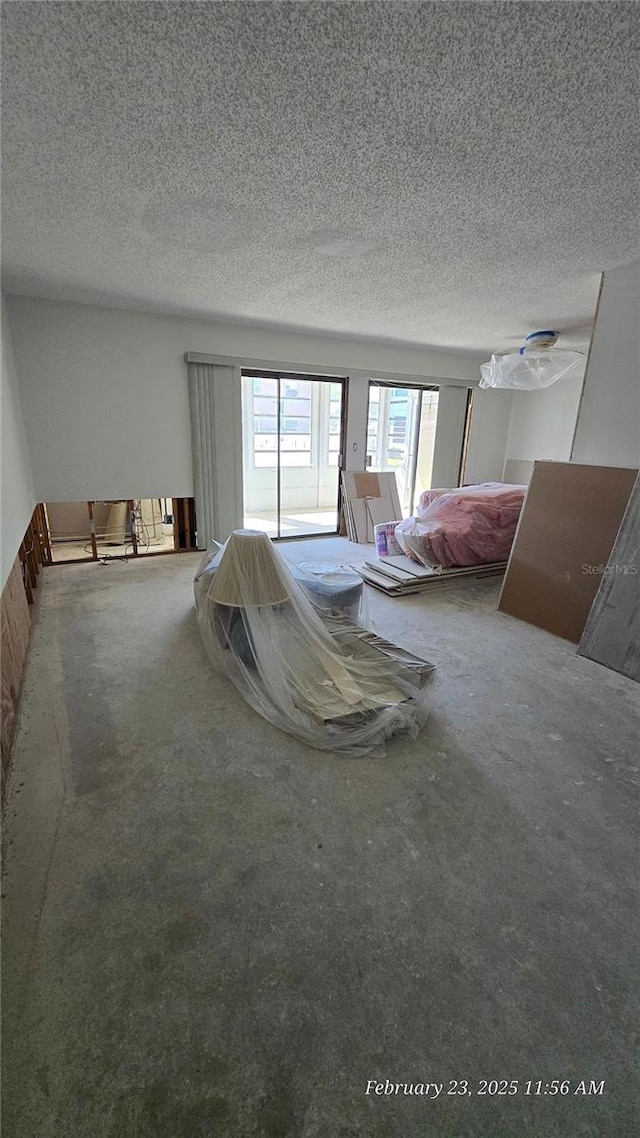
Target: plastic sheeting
(328, 586)
(471, 525)
(531, 370)
(309, 670)
(331, 586)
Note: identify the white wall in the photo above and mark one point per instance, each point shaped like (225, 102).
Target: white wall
(608, 428)
(356, 429)
(541, 426)
(105, 401)
(105, 390)
(450, 424)
(18, 494)
(488, 431)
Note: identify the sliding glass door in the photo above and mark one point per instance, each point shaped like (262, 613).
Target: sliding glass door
(401, 432)
(292, 445)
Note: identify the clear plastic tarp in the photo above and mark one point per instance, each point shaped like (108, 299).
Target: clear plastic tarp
(330, 586)
(531, 370)
(471, 525)
(308, 668)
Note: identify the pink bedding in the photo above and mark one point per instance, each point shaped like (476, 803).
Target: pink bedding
(471, 525)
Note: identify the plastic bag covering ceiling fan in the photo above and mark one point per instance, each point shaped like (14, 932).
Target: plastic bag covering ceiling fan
(535, 365)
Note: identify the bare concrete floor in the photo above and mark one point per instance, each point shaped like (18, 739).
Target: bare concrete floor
(210, 929)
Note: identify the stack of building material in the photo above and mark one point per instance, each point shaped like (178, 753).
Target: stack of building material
(368, 500)
(611, 635)
(567, 529)
(466, 525)
(399, 576)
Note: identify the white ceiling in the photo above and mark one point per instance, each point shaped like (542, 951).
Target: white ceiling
(454, 174)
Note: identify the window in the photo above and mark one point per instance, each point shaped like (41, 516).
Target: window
(373, 422)
(295, 422)
(292, 429)
(400, 436)
(335, 423)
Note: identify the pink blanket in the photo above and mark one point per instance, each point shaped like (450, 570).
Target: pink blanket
(471, 525)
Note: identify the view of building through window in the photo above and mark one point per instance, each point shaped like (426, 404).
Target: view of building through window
(335, 422)
(292, 428)
(400, 437)
(295, 422)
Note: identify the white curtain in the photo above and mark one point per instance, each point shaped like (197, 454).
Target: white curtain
(216, 440)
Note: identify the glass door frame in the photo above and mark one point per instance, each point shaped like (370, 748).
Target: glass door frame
(343, 380)
(414, 442)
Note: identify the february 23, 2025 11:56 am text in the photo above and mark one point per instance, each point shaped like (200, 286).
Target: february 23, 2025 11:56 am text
(488, 1087)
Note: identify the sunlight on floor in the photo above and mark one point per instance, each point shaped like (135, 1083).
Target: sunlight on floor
(293, 524)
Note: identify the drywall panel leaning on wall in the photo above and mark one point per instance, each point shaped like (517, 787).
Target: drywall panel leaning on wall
(569, 522)
(612, 632)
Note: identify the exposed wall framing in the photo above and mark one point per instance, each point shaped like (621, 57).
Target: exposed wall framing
(98, 532)
(184, 524)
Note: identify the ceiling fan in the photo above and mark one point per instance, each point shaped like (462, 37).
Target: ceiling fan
(537, 364)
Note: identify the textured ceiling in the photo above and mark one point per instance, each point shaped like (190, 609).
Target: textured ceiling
(439, 173)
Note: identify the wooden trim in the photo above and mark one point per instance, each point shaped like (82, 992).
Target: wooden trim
(134, 538)
(462, 472)
(184, 523)
(34, 550)
(190, 523)
(15, 630)
(43, 534)
(17, 595)
(121, 556)
(26, 580)
(92, 528)
(28, 547)
(75, 561)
